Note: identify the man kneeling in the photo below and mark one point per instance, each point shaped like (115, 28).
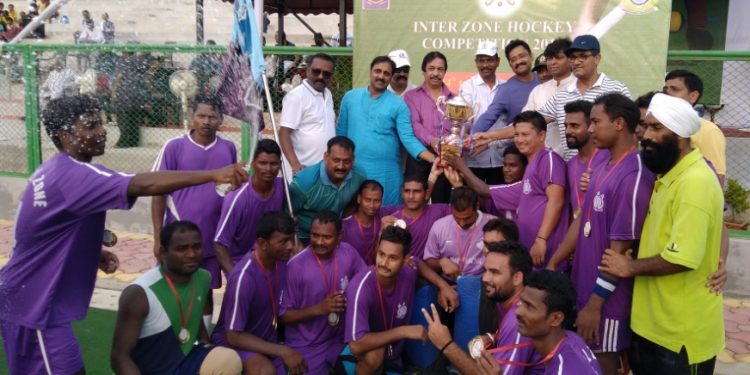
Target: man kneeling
(159, 326)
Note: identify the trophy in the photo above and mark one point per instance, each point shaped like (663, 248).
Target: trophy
(460, 113)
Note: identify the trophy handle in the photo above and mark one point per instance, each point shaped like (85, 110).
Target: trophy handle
(440, 101)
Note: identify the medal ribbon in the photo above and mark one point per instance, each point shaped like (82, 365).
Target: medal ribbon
(183, 318)
(463, 249)
(330, 287)
(267, 277)
(521, 345)
(362, 234)
(576, 184)
(403, 217)
(600, 181)
(505, 313)
(382, 305)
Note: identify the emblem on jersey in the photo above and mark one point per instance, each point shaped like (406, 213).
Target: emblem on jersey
(526, 186)
(599, 202)
(344, 282)
(672, 247)
(401, 311)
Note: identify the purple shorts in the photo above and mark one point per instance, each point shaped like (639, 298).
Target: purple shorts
(614, 335)
(214, 268)
(277, 362)
(49, 351)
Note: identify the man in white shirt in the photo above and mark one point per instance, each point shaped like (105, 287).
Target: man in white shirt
(559, 67)
(307, 117)
(400, 83)
(478, 91)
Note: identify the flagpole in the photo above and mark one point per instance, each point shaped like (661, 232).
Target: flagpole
(276, 138)
(46, 14)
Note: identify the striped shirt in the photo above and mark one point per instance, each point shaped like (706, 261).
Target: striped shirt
(555, 107)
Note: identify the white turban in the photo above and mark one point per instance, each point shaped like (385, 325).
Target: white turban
(676, 114)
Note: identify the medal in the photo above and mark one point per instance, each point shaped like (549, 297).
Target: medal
(475, 347)
(587, 229)
(184, 335)
(400, 223)
(274, 324)
(333, 319)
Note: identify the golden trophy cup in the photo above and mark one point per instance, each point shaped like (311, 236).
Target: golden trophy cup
(460, 113)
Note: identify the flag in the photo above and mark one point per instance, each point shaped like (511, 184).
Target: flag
(240, 86)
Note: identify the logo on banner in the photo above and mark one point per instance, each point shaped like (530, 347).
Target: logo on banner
(500, 8)
(375, 4)
(599, 202)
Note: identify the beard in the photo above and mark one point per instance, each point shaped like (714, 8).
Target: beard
(573, 143)
(662, 156)
(498, 296)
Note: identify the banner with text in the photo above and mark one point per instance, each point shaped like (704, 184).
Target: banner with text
(633, 33)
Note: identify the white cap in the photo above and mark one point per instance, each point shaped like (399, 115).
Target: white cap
(487, 48)
(676, 114)
(400, 57)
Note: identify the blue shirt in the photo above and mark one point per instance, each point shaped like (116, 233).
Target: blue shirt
(378, 127)
(311, 190)
(509, 101)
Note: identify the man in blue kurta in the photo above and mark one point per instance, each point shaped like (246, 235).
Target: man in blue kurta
(377, 120)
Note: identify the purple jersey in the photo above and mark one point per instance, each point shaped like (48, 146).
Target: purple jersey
(462, 246)
(504, 200)
(316, 340)
(199, 204)
(363, 308)
(615, 205)
(419, 227)
(546, 168)
(508, 335)
(248, 304)
(361, 237)
(240, 212)
(50, 276)
(573, 357)
(575, 168)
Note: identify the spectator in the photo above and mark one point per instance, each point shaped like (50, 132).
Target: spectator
(107, 29)
(128, 97)
(206, 66)
(60, 78)
(90, 35)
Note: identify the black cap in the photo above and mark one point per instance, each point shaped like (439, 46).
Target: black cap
(539, 63)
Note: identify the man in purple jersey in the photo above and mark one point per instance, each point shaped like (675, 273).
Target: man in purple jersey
(416, 213)
(49, 279)
(361, 229)
(200, 149)
(242, 208)
(545, 309)
(543, 214)
(506, 265)
(313, 305)
(454, 245)
(379, 309)
(250, 310)
(612, 216)
(588, 158)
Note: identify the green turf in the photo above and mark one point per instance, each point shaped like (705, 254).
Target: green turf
(95, 338)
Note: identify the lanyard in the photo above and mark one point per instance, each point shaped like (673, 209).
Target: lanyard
(334, 271)
(513, 302)
(521, 345)
(382, 305)
(362, 235)
(600, 181)
(271, 294)
(403, 217)
(183, 319)
(463, 249)
(576, 183)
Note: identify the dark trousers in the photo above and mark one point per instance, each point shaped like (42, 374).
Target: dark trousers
(129, 122)
(441, 192)
(490, 176)
(648, 358)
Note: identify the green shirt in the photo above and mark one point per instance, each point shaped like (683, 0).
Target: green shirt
(683, 226)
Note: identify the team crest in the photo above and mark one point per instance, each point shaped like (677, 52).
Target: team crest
(401, 311)
(526, 186)
(344, 282)
(599, 202)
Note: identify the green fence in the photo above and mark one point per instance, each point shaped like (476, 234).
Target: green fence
(132, 83)
(158, 115)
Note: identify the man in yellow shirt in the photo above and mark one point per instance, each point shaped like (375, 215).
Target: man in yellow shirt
(709, 139)
(678, 324)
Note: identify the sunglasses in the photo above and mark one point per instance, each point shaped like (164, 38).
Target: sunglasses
(317, 72)
(403, 69)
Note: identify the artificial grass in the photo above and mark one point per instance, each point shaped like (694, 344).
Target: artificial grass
(95, 339)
